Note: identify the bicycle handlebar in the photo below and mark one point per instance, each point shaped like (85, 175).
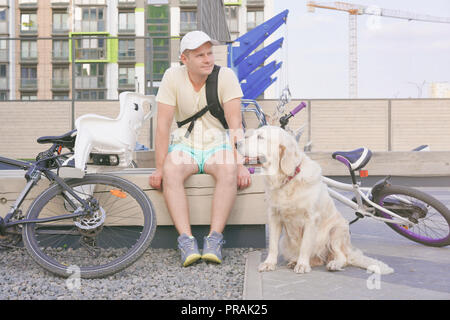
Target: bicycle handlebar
(285, 119)
(298, 108)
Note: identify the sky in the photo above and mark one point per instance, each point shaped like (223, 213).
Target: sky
(396, 58)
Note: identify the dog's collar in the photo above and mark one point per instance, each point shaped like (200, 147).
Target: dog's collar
(289, 178)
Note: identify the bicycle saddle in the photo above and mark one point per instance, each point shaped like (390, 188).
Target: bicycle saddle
(355, 159)
(67, 140)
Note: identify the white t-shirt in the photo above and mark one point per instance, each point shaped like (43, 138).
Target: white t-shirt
(177, 90)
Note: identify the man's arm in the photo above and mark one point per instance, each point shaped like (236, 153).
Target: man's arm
(163, 123)
(232, 110)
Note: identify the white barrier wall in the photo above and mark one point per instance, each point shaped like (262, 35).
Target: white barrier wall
(381, 125)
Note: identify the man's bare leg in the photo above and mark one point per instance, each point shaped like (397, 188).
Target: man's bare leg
(224, 172)
(178, 166)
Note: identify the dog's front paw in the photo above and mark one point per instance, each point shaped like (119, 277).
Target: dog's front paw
(292, 264)
(335, 265)
(266, 266)
(302, 268)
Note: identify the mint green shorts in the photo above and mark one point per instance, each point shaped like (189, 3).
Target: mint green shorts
(200, 156)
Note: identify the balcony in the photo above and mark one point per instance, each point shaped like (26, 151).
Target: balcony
(125, 4)
(28, 84)
(60, 83)
(60, 57)
(90, 54)
(4, 84)
(29, 59)
(126, 83)
(89, 26)
(4, 55)
(25, 4)
(190, 3)
(4, 27)
(127, 55)
(90, 2)
(256, 3)
(59, 3)
(92, 82)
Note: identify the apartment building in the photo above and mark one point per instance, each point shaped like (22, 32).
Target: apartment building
(99, 47)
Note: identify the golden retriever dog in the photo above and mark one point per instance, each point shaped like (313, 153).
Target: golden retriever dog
(314, 232)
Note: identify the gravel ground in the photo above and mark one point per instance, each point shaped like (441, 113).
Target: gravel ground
(158, 274)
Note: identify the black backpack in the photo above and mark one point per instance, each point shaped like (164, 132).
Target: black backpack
(213, 103)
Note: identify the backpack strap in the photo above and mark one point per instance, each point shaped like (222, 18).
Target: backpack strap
(212, 97)
(213, 103)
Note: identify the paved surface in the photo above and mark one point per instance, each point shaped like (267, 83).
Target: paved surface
(420, 272)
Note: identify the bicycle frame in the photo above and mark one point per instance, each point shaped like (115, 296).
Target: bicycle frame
(361, 194)
(33, 175)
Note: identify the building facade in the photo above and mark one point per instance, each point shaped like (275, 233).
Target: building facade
(96, 49)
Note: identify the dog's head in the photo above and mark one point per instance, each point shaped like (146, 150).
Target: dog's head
(273, 147)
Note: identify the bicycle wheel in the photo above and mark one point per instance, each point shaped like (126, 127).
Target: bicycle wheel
(431, 217)
(103, 243)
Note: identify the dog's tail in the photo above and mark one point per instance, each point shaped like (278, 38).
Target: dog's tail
(358, 259)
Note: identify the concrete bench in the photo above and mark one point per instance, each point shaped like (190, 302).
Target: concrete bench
(245, 226)
(246, 223)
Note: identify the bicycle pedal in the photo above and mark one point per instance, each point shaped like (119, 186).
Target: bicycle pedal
(70, 172)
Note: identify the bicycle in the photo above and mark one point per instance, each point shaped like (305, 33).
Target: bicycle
(100, 223)
(412, 213)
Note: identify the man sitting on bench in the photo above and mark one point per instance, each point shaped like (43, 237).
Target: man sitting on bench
(205, 101)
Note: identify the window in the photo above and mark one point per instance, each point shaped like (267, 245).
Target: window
(254, 19)
(90, 95)
(126, 21)
(60, 22)
(90, 48)
(60, 96)
(28, 96)
(60, 77)
(126, 49)
(60, 49)
(158, 26)
(4, 21)
(126, 77)
(3, 76)
(89, 75)
(89, 19)
(231, 14)
(4, 50)
(188, 21)
(28, 77)
(28, 22)
(28, 49)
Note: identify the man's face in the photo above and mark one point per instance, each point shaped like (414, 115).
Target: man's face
(199, 61)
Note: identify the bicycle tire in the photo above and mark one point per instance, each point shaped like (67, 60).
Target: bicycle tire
(425, 225)
(37, 237)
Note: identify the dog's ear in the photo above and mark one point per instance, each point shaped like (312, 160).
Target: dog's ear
(288, 159)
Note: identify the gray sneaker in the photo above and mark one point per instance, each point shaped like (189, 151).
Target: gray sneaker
(189, 249)
(212, 247)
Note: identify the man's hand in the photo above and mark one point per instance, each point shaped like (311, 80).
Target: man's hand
(155, 180)
(244, 179)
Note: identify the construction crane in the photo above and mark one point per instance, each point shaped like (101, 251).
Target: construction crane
(354, 10)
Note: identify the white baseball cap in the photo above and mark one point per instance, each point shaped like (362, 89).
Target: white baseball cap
(194, 39)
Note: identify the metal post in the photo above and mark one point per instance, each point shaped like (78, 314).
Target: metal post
(73, 84)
